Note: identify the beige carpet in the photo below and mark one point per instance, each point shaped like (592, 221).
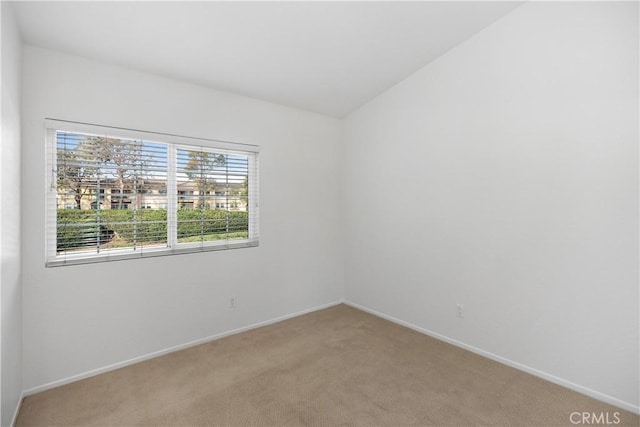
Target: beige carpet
(335, 367)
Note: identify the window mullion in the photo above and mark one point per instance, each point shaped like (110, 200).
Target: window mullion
(172, 197)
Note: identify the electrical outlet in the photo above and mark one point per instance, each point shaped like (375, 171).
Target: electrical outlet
(460, 310)
(233, 302)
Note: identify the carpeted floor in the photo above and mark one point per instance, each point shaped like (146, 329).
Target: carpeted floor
(335, 367)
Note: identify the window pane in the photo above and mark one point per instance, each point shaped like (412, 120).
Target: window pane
(111, 193)
(212, 196)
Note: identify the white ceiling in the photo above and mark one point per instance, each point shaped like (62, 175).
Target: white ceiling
(327, 57)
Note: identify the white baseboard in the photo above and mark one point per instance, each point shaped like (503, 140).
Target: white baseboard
(179, 347)
(551, 378)
(17, 411)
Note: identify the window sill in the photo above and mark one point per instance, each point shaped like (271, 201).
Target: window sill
(124, 254)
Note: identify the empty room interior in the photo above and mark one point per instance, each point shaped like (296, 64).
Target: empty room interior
(347, 213)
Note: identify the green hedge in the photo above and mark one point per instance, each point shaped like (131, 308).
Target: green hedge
(78, 228)
(192, 222)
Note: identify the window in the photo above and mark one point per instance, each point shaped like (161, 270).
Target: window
(119, 194)
(120, 199)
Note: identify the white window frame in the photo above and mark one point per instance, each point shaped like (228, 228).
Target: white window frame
(174, 142)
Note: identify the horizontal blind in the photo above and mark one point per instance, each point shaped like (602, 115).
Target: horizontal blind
(116, 198)
(212, 196)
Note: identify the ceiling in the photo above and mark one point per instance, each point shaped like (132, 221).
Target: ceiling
(326, 57)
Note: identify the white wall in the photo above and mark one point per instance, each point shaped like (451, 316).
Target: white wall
(86, 317)
(10, 278)
(504, 176)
